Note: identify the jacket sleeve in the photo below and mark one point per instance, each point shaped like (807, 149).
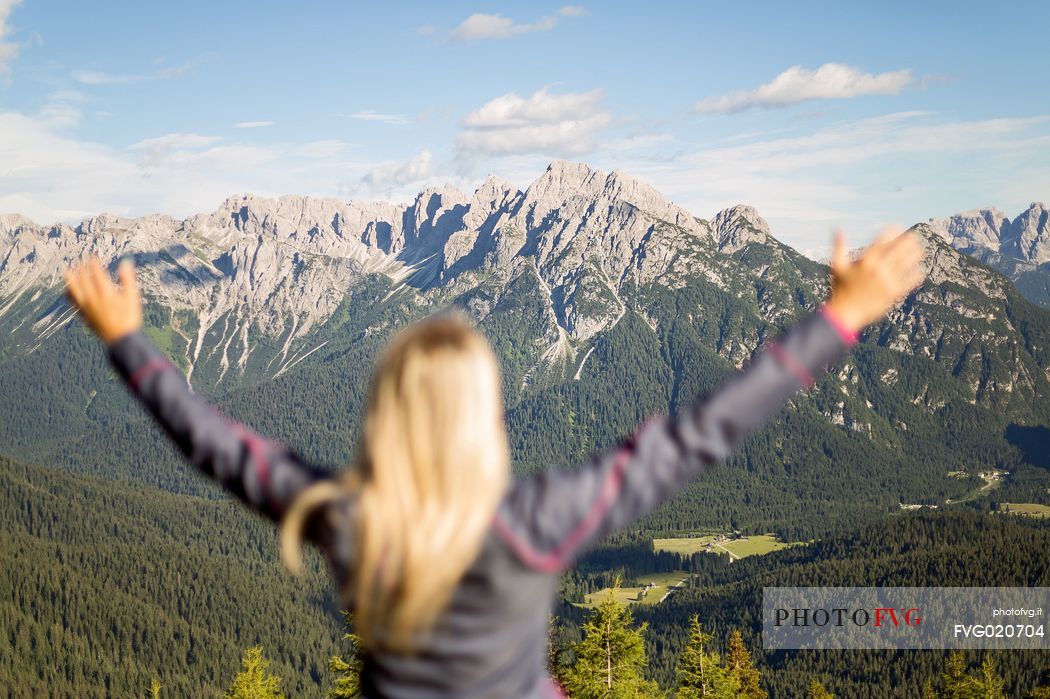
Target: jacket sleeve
(550, 517)
(264, 474)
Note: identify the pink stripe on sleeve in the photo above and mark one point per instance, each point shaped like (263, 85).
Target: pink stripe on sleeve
(791, 363)
(559, 556)
(848, 335)
(554, 689)
(149, 368)
(257, 448)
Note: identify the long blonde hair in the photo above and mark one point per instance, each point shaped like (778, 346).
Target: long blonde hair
(432, 467)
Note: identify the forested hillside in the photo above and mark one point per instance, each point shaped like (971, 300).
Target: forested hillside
(605, 303)
(959, 548)
(106, 585)
(110, 585)
(71, 411)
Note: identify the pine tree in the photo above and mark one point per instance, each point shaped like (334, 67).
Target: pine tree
(699, 674)
(253, 681)
(817, 691)
(990, 681)
(347, 672)
(742, 669)
(927, 691)
(959, 684)
(610, 659)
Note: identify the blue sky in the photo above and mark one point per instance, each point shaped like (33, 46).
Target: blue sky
(818, 114)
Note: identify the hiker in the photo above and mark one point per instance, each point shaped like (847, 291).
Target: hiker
(449, 567)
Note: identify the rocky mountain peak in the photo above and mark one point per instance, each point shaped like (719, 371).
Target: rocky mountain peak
(945, 263)
(579, 239)
(11, 223)
(1025, 238)
(494, 187)
(623, 187)
(739, 225)
(1028, 235)
(445, 195)
(641, 194)
(568, 169)
(98, 223)
(564, 180)
(980, 227)
(495, 196)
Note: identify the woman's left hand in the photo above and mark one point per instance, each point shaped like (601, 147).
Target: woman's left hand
(112, 312)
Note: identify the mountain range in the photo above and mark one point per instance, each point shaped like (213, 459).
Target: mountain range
(604, 300)
(1020, 248)
(280, 268)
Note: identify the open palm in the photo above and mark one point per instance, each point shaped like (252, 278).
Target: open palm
(111, 311)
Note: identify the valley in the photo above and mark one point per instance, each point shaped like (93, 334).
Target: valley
(605, 303)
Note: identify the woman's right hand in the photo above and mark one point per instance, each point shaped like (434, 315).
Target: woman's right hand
(863, 290)
(112, 312)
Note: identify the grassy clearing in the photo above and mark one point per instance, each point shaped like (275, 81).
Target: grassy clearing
(756, 545)
(1029, 509)
(662, 582)
(738, 548)
(991, 480)
(684, 545)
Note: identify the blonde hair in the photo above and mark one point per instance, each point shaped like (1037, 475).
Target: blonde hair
(432, 468)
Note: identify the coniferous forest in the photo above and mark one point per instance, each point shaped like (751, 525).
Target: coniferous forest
(124, 573)
(115, 585)
(632, 203)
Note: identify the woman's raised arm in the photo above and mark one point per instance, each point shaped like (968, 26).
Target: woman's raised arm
(550, 518)
(264, 474)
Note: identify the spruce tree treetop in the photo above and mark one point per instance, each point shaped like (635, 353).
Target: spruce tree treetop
(347, 671)
(817, 691)
(254, 682)
(610, 660)
(742, 669)
(700, 675)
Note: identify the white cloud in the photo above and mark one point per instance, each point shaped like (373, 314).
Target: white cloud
(485, 26)
(323, 149)
(798, 84)
(173, 71)
(844, 174)
(59, 114)
(68, 96)
(383, 179)
(156, 151)
(634, 141)
(61, 109)
(8, 49)
(543, 123)
(370, 115)
(98, 77)
(49, 175)
(252, 124)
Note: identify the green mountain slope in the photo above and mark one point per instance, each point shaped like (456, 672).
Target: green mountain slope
(941, 386)
(105, 585)
(942, 549)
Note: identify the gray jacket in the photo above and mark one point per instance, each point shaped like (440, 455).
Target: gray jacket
(491, 641)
